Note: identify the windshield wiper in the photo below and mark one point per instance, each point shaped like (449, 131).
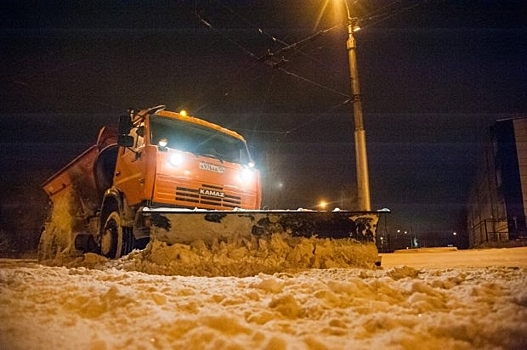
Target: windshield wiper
(213, 154)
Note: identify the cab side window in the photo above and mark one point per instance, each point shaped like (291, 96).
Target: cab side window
(138, 133)
(140, 136)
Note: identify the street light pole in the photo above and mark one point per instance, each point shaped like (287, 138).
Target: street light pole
(363, 182)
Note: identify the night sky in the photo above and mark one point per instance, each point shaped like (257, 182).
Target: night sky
(434, 76)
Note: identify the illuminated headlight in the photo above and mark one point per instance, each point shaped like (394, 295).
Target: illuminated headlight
(163, 143)
(247, 175)
(175, 159)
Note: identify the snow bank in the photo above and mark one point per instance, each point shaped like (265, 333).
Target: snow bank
(279, 253)
(400, 307)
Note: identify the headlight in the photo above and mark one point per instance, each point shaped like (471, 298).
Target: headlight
(247, 175)
(175, 159)
(163, 143)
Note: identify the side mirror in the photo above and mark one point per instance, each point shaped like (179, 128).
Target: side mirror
(125, 124)
(125, 141)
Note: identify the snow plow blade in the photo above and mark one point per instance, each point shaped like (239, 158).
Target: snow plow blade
(185, 226)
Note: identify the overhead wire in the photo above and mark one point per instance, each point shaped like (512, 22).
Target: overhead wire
(327, 88)
(260, 30)
(248, 52)
(271, 60)
(270, 57)
(287, 46)
(208, 25)
(375, 17)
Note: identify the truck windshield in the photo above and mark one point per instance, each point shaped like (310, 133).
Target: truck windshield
(197, 139)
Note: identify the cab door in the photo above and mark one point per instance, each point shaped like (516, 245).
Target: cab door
(129, 175)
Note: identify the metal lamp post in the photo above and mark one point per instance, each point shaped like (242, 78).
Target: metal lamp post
(363, 182)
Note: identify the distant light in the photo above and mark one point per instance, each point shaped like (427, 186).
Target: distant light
(356, 28)
(183, 112)
(323, 204)
(454, 233)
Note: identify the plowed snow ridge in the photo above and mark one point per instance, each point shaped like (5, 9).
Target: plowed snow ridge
(475, 305)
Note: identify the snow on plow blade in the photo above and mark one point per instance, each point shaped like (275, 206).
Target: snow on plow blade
(184, 226)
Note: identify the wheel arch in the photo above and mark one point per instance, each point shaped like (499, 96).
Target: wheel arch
(104, 168)
(115, 200)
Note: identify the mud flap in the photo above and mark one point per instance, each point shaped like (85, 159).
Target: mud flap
(185, 226)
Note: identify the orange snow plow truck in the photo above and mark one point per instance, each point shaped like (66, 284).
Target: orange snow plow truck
(167, 176)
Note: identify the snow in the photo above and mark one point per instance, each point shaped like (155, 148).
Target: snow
(248, 258)
(429, 299)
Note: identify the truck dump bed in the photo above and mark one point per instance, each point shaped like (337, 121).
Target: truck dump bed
(80, 178)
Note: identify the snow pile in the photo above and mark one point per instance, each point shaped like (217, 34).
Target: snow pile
(399, 307)
(279, 253)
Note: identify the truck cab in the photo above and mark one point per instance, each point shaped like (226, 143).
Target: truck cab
(171, 160)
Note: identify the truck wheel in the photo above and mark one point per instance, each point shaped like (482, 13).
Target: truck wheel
(116, 240)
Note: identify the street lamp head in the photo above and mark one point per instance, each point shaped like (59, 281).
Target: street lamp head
(339, 7)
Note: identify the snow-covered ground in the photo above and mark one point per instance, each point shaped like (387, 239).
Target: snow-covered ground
(437, 299)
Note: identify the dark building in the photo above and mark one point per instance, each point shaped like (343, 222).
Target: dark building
(497, 204)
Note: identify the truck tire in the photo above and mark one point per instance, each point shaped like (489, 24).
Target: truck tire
(116, 240)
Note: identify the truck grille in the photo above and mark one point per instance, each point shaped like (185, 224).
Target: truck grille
(195, 197)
